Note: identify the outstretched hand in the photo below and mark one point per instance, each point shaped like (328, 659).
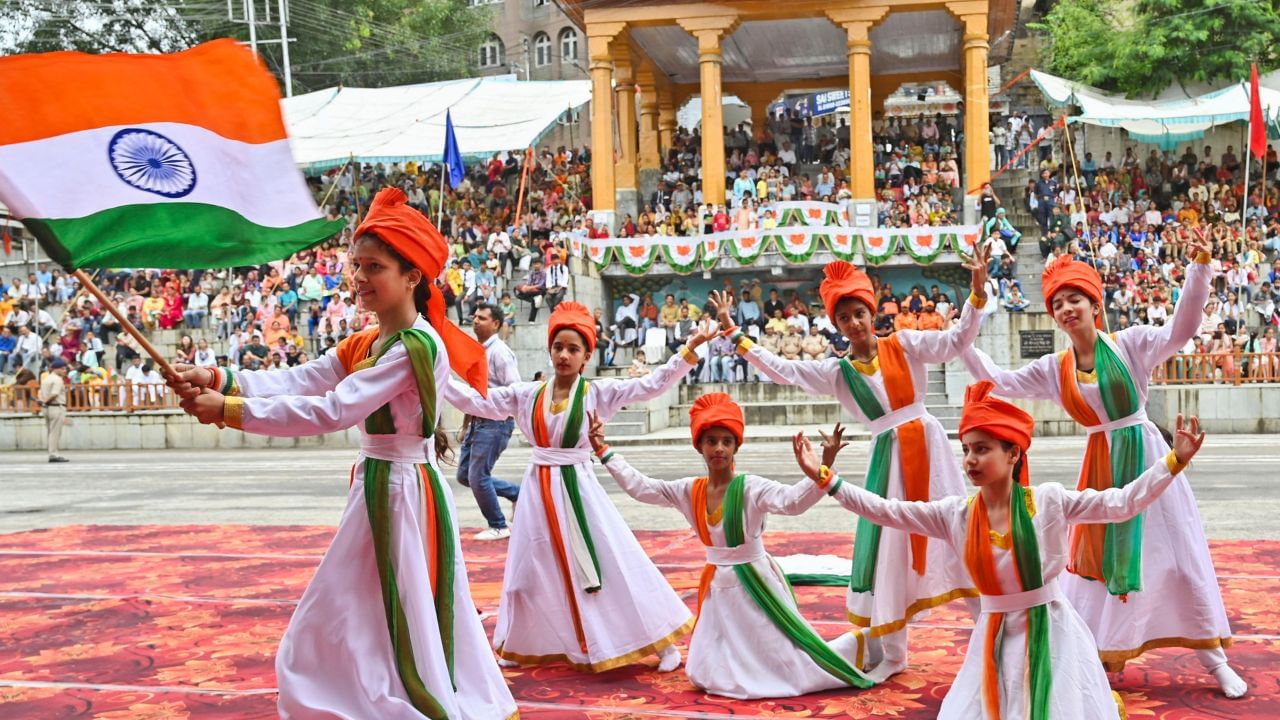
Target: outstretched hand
(1187, 439)
(188, 380)
(1199, 244)
(805, 456)
(720, 302)
(978, 265)
(832, 444)
(596, 433)
(700, 336)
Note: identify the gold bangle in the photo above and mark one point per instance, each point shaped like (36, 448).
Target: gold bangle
(689, 355)
(233, 412)
(1175, 466)
(1203, 257)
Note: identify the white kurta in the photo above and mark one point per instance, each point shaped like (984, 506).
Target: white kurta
(336, 660)
(1080, 688)
(1180, 603)
(899, 592)
(635, 612)
(736, 650)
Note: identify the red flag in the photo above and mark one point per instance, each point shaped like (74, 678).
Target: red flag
(1257, 130)
(8, 243)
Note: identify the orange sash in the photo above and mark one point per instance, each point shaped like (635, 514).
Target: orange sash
(1087, 541)
(542, 436)
(354, 349)
(699, 493)
(913, 450)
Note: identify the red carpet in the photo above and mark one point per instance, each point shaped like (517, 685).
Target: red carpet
(144, 623)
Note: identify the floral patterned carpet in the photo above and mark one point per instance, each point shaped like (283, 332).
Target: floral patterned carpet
(182, 622)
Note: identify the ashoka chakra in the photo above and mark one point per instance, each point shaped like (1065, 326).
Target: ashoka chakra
(151, 162)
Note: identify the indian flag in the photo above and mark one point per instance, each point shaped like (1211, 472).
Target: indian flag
(175, 161)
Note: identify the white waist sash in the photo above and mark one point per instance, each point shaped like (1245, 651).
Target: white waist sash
(749, 551)
(891, 420)
(560, 456)
(584, 570)
(398, 448)
(1021, 601)
(1137, 418)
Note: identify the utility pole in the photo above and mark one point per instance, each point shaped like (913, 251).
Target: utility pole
(248, 15)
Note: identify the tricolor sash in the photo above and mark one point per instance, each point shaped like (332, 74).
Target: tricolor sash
(981, 563)
(1110, 552)
(437, 536)
(913, 457)
(784, 616)
(578, 563)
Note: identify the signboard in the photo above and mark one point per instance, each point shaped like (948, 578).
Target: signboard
(1035, 343)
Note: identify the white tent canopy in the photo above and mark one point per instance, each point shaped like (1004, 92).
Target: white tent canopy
(1164, 122)
(398, 124)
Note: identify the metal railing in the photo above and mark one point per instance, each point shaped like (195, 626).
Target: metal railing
(1221, 368)
(121, 397)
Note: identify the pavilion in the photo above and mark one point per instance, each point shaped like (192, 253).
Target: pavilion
(667, 51)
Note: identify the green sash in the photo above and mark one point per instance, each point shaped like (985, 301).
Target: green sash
(421, 349)
(866, 543)
(783, 616)
(1122, 551)
(568, 474)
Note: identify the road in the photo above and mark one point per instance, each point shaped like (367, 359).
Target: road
(1234, 480)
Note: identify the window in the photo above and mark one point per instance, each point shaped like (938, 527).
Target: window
(568, 44)
(493, 53)
(541, 50)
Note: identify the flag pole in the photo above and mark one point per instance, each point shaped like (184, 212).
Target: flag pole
(87, 283)
(444, 170)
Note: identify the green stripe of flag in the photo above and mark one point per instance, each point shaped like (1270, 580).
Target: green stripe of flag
(173, 235)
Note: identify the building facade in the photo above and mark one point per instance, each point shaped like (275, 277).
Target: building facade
(534, 40)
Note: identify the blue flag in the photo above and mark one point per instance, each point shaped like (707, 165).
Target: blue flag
(452, 156)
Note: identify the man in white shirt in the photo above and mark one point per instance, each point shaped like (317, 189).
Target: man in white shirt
(28, 348)
(557, 281)
(484, 440)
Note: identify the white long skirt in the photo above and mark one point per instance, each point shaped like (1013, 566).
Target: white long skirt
(336, 658)
(1180, 604)
(1080, 688)
(900, 593)
(736, 650)
(635, 613)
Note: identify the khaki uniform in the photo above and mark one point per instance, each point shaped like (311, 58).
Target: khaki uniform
(53, 393)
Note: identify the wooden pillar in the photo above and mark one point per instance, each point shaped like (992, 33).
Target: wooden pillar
(666, 120)
(857, 24)
(709, 31)
(977, 161)
(649, 157)
(625, 95)
(599, 36)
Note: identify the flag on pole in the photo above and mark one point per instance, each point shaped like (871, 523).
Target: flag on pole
(452, 156)
(8, 243)
(174, 161)
(1257, 126)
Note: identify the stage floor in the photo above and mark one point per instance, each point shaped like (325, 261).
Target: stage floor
(151, 622)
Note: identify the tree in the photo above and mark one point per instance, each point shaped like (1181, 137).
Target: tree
(1141, 48)
(362, 43)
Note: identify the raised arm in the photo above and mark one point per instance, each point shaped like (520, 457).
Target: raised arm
(1119, 504)
(354, 398)
(502, 403)
(939, 347)
(1035, 381)
(771, 496)
(613, 394)
(816, 377)
(1149, 345)
(314, 377)
(933, 346)
(926, 518)
(642, 487)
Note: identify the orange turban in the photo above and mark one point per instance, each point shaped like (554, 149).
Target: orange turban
(997, 418)
(412, 235)
(1067, 272)
(844, 280)
(715, 410)
(570, 315)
